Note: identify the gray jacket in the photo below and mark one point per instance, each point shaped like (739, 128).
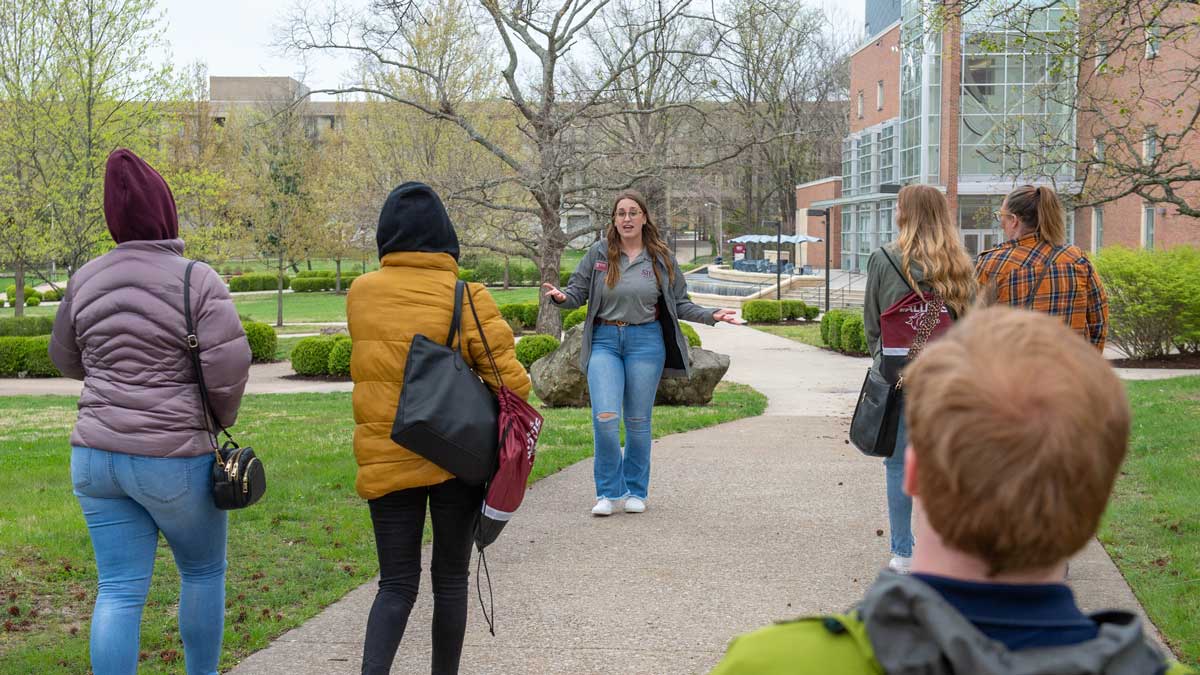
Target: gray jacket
(120, 329)
(673, 305)
(914, 630)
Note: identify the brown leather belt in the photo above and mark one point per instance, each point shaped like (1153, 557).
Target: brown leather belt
(621, 324)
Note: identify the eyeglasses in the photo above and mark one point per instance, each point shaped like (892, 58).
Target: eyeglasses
(997, 215)
(632, 214)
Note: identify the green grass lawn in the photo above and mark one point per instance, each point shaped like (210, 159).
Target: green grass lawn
(304, 546)
(808, 333)
(1152, 527)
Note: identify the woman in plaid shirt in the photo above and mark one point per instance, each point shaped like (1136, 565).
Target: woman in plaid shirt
(1037, 254)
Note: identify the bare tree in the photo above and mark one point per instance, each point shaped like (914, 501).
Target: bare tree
(433, 56)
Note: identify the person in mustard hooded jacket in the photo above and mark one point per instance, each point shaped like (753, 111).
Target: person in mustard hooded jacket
(413, 293)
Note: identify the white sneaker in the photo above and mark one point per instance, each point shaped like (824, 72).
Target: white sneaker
(900, 565)
(603, 507)
(634, 505)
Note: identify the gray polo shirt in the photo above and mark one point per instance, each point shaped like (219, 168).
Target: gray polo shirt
(635, 296)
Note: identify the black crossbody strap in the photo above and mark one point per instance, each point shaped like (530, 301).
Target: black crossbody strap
(1041, 277)
(487, 348)
(456, 319)
(193, 347)
(902, 277)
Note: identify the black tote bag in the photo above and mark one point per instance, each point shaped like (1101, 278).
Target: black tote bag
(446, 413)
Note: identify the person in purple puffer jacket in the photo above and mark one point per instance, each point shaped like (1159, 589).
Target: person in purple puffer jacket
(141, 455)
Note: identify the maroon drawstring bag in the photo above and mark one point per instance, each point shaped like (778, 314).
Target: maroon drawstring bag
(519, 426)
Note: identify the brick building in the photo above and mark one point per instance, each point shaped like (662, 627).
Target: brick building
(963, 108)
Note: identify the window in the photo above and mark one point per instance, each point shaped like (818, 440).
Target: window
(860, 104)
(1148, 226)
(864, 164)
(1150, 145)
(879, 95)
(887, 154)
(1098, 149)
(848, 167)
(1097, 228)
(1153, 41)
(1101, 56)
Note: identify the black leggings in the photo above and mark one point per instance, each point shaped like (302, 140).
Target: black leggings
(399, 521)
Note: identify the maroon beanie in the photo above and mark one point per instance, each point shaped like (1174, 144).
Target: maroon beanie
(138, 204)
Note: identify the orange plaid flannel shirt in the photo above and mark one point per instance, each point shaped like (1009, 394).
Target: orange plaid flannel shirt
(1071, 289)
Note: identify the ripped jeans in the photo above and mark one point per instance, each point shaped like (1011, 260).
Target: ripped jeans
(623, 372)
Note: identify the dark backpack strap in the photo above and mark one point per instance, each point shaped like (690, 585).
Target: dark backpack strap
(456, 319)
(902, 276)
(483, 338)
(1041, 276)
(193, 347)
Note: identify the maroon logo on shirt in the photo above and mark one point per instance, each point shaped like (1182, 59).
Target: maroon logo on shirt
(647, 272)
(601, 266)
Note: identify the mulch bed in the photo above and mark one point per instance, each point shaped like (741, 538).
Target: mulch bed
(1180, 361)
(314, 378)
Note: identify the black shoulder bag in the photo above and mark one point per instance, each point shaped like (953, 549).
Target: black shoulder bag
(239, 479)
(446, 413)
(876, 420)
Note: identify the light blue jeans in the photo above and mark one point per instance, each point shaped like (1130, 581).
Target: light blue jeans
(623, 372)
(899, 504)
(127, 500)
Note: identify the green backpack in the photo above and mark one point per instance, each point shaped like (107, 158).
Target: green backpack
(822, 645)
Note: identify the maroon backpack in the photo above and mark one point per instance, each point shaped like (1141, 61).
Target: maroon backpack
(519, 426)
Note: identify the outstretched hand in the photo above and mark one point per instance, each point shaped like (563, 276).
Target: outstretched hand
(728, 316)
(553, 293)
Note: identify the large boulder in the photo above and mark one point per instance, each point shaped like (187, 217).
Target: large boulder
(558, 381)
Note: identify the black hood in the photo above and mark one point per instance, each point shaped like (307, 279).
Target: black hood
(414, 220)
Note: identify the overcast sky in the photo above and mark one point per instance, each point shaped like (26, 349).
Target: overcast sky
(234, 36)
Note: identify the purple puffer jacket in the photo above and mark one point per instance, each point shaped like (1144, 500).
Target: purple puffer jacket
(120, 329)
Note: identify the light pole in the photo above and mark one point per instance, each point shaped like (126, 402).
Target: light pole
(720, 227)
(824, 213)
(779, 259)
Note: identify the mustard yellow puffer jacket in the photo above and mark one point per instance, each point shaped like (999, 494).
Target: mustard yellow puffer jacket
(412, 293)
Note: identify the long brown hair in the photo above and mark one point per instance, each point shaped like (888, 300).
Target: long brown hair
(929, 238)
(1041, 209)
(652, 241)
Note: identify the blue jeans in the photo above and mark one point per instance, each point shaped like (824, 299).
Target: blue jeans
(623, 373)
(899, 504)
(127, 500)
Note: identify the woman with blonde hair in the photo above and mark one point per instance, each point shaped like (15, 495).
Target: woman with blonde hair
(925, 269)
(1036, 268)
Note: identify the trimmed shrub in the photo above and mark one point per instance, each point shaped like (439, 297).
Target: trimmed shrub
(762, 311)
(467, 275)
(490, 272)
(347, 279)
(534, 347)
(37, 357)
(690, 333)
(11, 292)
(574, 318)
(315, 274)
(529, 314)
(1153, 299)
(853, 335)
(339, 357)
(833, 316)
(811, 313)
(256, 282)
(514, 314)
(262, 341)
(12, 356)
(792, 309)
(227, 271)
(25, 326)
(564, 280)
(526, 274)
(688, 267)
(313, 284)
(33, 301)
(52, 295)
(311, 356)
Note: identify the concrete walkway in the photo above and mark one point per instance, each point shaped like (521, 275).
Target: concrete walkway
(749, 522)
